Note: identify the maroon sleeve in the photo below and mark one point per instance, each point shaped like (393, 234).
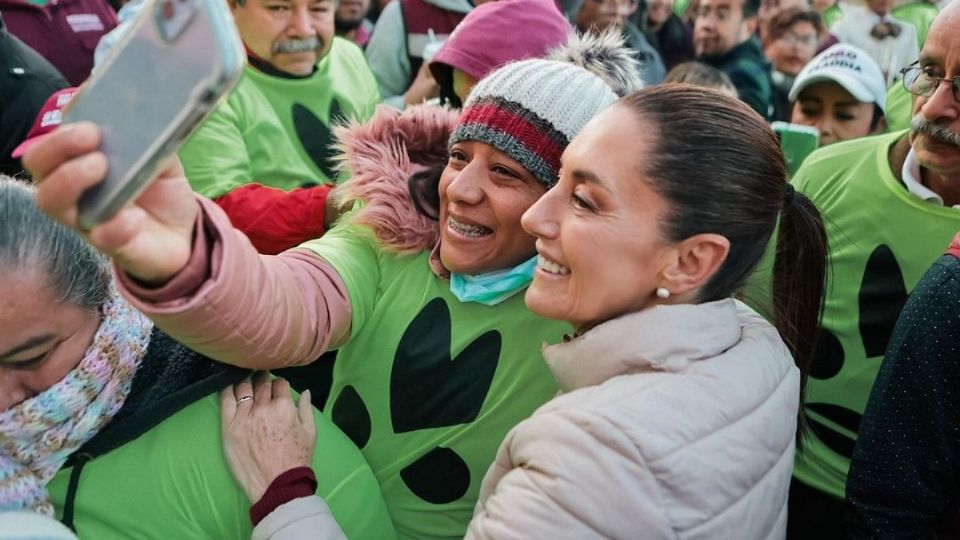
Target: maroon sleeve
(293, 484)
(275, 220)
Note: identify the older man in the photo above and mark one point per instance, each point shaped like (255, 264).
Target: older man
(890, 203)
(904, 475)
(264, 154)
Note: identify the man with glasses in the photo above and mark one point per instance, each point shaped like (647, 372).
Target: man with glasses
(723, 37)
(903, 480)
(889, 203)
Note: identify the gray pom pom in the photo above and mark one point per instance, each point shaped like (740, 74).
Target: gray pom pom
(604, 55)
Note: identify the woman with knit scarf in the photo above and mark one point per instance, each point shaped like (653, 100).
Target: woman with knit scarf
(110, 424)
(678, 405)
(418, 287)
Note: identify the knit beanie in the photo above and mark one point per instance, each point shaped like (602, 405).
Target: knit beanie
(530, 110)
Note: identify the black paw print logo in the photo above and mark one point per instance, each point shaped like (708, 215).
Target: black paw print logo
(429, 388)
(881, 298)
(315, 135)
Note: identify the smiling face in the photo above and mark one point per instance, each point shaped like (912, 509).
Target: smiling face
(292, 35)
(601, 251)
(41, 339)
(483, 193)
(835, 112)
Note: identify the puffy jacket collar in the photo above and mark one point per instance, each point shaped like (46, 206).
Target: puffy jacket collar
(382, 154)
(661, 338)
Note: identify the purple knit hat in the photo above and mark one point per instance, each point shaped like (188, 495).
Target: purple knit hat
(495, 33)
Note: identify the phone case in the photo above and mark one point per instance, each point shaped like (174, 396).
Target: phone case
(167, 73)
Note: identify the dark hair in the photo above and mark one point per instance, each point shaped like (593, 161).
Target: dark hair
(700, 74)
(719, 167)
(32, 242)
(784, 20)
(877, 117)
(424, 188)
(750, 8)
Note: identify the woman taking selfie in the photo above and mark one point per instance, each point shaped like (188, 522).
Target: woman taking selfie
(678, 409)
(438, 356)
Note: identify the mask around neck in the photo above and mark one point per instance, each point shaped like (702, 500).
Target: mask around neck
(494, 287)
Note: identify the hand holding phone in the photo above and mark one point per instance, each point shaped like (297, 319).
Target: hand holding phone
(151, 238)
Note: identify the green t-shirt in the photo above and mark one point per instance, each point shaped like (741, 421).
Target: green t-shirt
(881, 241)
(275, 131)
(173, 482)
(428, 386)
(899, 108)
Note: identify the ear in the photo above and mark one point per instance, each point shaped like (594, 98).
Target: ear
(748, 28)
(697, 259)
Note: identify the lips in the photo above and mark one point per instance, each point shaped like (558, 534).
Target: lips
(551, 267)
(469, 230)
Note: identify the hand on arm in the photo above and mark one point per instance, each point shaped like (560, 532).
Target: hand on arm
(265, 436)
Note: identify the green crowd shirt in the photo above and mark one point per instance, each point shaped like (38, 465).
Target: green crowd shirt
(881, 240)
(173, 482)
(428, 386)
(275, 131)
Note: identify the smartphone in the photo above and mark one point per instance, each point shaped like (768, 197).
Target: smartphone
(166, 74)
(796, 142)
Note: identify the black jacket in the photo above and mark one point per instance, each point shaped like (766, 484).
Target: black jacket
(904, 479)
(26, 81)
(749, 71)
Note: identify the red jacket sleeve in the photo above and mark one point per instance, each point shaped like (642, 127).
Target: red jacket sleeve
(276, 220)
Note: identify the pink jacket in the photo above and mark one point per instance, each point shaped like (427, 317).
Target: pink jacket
(265, 312)
(674, 422)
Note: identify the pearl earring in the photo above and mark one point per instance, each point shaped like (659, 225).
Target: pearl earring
(663, 292)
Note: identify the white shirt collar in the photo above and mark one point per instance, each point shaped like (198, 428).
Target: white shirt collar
(911, 179)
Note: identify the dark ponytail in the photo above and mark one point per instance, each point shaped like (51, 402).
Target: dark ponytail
(798, 282)
(719, 167)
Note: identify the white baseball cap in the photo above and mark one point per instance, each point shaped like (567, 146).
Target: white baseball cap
(848, 66)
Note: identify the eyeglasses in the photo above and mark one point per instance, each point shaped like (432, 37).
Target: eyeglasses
(919, 81)
(793, 39)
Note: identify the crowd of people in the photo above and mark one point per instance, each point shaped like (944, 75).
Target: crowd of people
(493, 269)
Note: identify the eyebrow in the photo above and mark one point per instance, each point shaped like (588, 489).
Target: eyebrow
(28, 344)
(853, 103)
(589, 177)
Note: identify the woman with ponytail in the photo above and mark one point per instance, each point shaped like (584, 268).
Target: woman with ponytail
(677, 416)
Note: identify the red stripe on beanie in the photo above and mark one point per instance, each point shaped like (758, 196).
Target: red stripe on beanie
(531, 136)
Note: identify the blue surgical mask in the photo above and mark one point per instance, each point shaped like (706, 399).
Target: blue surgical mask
(493, 287)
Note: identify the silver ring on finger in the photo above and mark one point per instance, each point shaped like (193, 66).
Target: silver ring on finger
(244, 398)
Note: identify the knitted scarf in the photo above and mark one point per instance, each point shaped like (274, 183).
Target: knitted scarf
(39, 434)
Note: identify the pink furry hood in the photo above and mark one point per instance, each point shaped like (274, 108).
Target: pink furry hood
(382, 154)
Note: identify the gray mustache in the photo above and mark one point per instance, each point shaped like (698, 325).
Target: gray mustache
(309, 44)
(936, 130)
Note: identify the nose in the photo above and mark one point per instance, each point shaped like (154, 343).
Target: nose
(467, 186)
(299, 25)
(941, 105)
(540, 219)
(11, 391)
(825, 125)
